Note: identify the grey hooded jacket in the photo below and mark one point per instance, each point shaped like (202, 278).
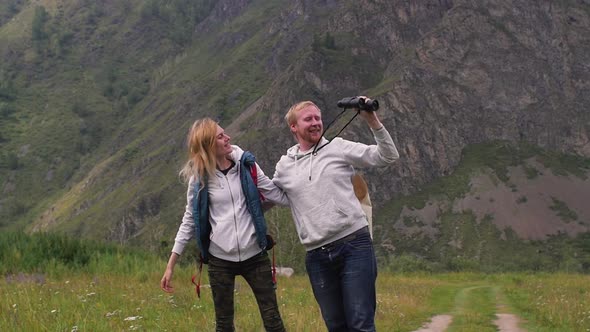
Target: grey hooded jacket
(319, 187)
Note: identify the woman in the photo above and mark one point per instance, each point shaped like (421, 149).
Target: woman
(224, 207)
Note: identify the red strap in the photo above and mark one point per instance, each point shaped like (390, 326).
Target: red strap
(254, 174)
(198, 283)
(274, 268)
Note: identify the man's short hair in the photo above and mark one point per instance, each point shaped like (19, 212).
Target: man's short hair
(291, 116)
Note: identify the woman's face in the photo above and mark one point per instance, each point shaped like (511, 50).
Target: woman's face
(223, 148)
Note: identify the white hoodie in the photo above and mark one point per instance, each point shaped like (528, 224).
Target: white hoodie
(319, 189)
(233, 237)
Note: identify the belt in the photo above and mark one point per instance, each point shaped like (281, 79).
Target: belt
(348, 238)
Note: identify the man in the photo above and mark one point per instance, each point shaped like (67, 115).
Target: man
(330, 222)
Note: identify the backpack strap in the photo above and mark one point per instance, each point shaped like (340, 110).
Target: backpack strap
(198, 282)
(254, 174)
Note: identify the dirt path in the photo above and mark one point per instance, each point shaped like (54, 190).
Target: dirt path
(438, 323)
(505, 322)
(508, 323)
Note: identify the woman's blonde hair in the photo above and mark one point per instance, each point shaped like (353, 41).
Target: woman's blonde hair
(360, 186)
(291, 116)
(361, 191)
(201, 150)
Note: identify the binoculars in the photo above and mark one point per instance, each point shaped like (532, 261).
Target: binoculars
(361, 103)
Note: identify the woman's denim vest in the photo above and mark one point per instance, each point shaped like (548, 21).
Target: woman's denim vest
(254, 205)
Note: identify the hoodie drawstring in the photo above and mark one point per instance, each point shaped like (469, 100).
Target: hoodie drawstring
(310, 164)
(297, 155)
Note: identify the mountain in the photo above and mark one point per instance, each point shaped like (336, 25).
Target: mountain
(96, 99)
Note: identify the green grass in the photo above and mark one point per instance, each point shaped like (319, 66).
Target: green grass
(54, 282)
(60, 283)
(119, 301)
(474, 309)
(550, 302)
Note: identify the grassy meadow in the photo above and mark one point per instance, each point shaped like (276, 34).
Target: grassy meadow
(117, 289)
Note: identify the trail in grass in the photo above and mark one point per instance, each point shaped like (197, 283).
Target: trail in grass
(438, 323)
(475, 308)
(508, 323)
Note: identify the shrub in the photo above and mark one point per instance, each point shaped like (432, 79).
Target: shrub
(38, 26)
(58, 253)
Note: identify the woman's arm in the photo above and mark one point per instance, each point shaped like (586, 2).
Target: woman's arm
(166, 282)
(269, 190)
(186, 230)
(184, 234)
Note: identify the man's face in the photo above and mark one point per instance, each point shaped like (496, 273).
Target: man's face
(308, 128)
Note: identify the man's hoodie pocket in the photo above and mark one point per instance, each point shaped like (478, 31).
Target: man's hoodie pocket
(324, 221)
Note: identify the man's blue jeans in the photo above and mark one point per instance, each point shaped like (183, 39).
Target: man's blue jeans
(342, 277)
